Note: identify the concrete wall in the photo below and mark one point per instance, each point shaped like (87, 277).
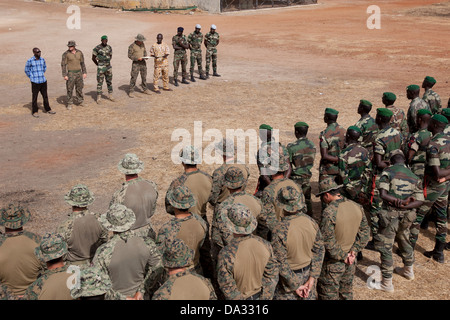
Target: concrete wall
(212, 6)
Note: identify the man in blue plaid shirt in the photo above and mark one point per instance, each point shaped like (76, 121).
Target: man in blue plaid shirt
(35, 69)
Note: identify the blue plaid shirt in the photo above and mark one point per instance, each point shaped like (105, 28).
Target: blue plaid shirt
(35, 69)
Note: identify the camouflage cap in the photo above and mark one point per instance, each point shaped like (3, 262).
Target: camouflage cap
(71, 43)
(92, 282)
(396, 152)
(234, 178)
(52, 246)
(14, 216)
(181, 198)
(79, 196)
(118, 218)
(177, 254)
(140, 37)
(226, 147)
(190, 155)
(238, 218)
(327, 184)
(288, 198)
(130, 164)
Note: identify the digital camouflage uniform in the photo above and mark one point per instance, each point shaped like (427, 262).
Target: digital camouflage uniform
(302, 154)
(73, 67)
(418, 142)
(298, 246)
(211, 40)
(355, 169)
(135, 52)
(93, 282)
(195, 40)
(411, 118)
(369, 131)
(344, 229)
(332, 139)
(179, 57)
(433, 100)
(394, 223)
(103, 55)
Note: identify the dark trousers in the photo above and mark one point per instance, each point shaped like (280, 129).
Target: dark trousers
(35, 89)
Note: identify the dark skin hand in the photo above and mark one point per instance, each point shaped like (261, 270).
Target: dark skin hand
(409, 203)
(180, 45)
(94, 58)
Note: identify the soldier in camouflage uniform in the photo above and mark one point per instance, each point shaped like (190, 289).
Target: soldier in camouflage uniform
(138, 194)
(73, 71)
(133, 263)
(180, 45)
(52, 284)
(137, 54)
(183, 282)
(332, 141)
(188, 226)
(253, 273)
(93, 284)
(298, 246)
(401, 192)
(412, 93)
(418, 143)
(82, 231)
(437, 174)
(195, 40)
(398, 119)
(302, 154)
(430, 97)
(367, 125)
(446, 113)
(19, 266)
(211, 43)
(101, 56)
(345, 232)
(355, 167)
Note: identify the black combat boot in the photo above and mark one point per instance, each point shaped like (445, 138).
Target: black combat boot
(175, 83)
(184, 81)
(202, 76)
(437, 253)
(192, 78)
(215, 74)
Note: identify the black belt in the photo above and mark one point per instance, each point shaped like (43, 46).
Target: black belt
(255, 296)
(302, 269)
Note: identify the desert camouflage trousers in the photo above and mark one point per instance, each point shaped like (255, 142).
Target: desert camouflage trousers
(394, 226)
(136, 68)
(75, 81)
(336, 280)
(211, 55)
(104, 73)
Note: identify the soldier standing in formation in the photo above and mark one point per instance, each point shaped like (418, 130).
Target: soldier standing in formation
(195, 40)
(180, 45)
(137, 53)
(412, 93)
(101, 56)
(430, 97)
(398, 119)
(160, 51)
(367, 126)
(74, 72)
(212, 40)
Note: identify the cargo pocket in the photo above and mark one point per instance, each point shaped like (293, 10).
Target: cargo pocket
(384, 219)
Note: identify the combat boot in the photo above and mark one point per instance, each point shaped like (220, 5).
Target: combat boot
(184, 81)
(175, 82)
(386, 285)
(99, 99)
(131, 94)
(406, 272)
(437, 253)
(215, 74)
(206, 75)
(202, 76)
(110, 97)
(192, 78)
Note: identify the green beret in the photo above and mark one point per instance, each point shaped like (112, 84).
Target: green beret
(446, 112)
(413, 87)
(301, 124)
(355, 128)
(430, 79)
(265, 126)
(104, 38)
(365, 103)
(440, 118)
(385, 112)
(389, 96)
(331, 111)
(424, 111)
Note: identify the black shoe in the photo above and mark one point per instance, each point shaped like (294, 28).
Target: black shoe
(184, 81)
(215, 74)
(35, 115)
(175, 83)
(192, 79)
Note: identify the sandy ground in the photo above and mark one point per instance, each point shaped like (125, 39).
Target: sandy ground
(278, 66)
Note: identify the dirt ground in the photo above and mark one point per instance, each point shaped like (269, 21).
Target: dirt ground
(278, 66)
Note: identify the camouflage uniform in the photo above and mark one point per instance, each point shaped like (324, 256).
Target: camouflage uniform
(415, 105)
(302, 154)
(298, 246)
(418, 142)
(219, 192)
(179, 57)
(195, 40)
(394, 223)
(369, 131)
(355, 169)
(433, 100)
(186, 284)
(52, 284)
(211, 40)
(133, 263)
(247, 268)
(103, 55)
(344, 229)
(398, 121)
(332, 139)
(436, 194)
(73, 67)
(93, 282)
(135, 52)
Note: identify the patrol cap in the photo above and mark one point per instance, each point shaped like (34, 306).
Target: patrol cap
(288, 198)
(14, 216)
(430, 80)
(181, 198)
(301, 124)
(130, 164)
(213, 26)
(234, 178)
(52, 246)
(177, 254)
(180, 29)
(327, 184)
(71, 43)
(413, 87)
(440, 118)
(118, 218)
(93, 282)
(421, 112)
(238, 218)
(104, 38)
(197, 26)
(265, 127)
(385, 112)
(355, 128)
(365, 103)
(331, 111)
(446, 112)
(389, 96)
(79, 196)
(396, 152)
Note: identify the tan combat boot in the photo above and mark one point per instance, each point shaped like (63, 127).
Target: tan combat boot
(406, 272)
(386, 285)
